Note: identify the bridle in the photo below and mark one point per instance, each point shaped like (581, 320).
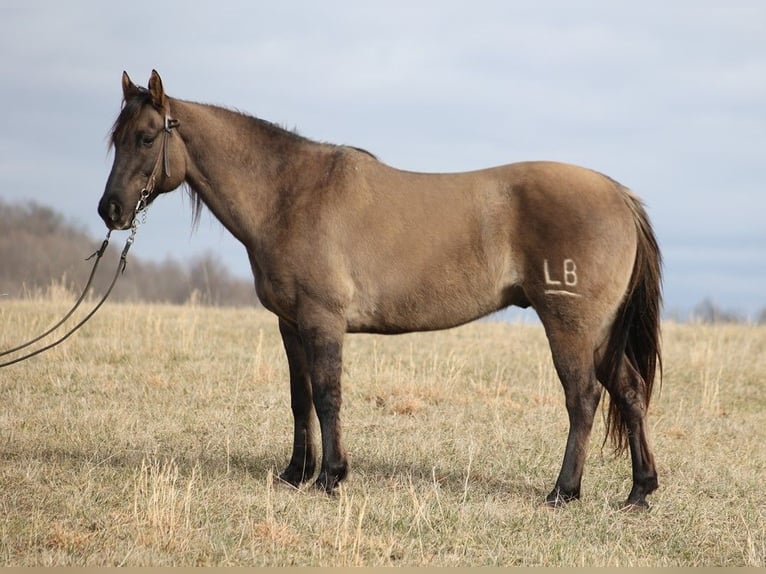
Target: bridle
(162, 162)
(139, 218)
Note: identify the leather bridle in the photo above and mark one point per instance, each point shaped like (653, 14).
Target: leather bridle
(162, 161)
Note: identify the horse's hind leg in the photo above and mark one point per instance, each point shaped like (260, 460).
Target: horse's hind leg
(632, 409)
(303, 459)
(572, 353)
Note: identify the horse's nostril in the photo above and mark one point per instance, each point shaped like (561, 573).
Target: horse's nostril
(114, 211)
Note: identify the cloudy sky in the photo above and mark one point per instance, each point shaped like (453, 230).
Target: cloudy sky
(668, 97)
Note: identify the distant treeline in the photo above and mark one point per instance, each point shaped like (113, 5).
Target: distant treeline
(40, 248)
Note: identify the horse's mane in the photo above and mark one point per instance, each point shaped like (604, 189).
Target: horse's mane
(279, 132)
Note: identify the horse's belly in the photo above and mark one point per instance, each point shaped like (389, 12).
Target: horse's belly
(423, 308)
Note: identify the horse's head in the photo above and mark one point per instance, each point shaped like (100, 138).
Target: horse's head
(149, 156)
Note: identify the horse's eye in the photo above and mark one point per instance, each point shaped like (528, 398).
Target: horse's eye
(147, 140)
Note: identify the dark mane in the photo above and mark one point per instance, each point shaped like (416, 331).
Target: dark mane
(282, 136)
(364, 151)
(273, 130)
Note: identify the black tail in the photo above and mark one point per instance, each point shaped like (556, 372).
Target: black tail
(635, 332)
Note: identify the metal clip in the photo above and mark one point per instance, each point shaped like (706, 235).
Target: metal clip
(139, 218)
(170, 123)
(100, 252)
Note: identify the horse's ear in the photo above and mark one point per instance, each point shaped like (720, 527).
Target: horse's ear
(129, 89)
(157, 92)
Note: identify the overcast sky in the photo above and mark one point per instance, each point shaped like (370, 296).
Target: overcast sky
(668, 97)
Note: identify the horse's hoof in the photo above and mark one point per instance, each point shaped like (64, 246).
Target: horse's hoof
(329, 482)
(557, 499)
(635, 506)
(329, 487)
(295, 476)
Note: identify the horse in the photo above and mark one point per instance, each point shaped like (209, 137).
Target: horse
(340, 242)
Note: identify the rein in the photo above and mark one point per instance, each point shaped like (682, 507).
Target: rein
(141, 207)
(139, 218)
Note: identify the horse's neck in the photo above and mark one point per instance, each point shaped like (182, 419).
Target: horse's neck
(232, 164)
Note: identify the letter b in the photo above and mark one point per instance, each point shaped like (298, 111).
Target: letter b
(570, 272)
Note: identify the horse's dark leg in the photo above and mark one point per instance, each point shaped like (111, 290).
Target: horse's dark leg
(303, 460)
(573, 359)
(633, 412)
(324, 348)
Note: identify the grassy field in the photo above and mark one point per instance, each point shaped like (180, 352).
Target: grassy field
(153, 437)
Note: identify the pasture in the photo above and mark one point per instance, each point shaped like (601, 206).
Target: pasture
(154, 435)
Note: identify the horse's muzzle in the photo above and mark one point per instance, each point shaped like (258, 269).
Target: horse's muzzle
(113, 214)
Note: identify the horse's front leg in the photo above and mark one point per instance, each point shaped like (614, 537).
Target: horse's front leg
(323, 342)
(303, 460)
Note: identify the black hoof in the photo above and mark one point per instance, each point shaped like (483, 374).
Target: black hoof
(637, 497)
(558, 499)
(329, 481)
(295, 475)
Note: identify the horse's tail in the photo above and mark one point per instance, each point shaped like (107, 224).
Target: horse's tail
(634, 337)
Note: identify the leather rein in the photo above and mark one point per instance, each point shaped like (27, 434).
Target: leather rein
(139, 218)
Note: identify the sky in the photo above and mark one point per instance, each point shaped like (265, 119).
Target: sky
(669, 98)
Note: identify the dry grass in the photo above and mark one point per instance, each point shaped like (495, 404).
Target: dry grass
(153, 438)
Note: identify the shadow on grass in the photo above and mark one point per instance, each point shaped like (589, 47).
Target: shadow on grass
(456, 482)
(366, 471)
(209, 463)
